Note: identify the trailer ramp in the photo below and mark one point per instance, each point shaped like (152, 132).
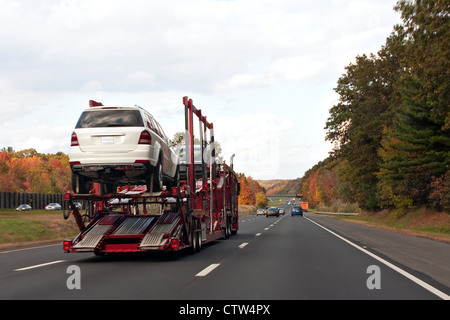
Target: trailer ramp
(159, 235)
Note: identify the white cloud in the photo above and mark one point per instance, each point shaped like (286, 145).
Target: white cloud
(247, 62)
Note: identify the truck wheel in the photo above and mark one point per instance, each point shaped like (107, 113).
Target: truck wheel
(199, 236)
(194, 241)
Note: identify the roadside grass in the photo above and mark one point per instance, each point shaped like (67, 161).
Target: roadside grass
(419, 222)
(20, 228)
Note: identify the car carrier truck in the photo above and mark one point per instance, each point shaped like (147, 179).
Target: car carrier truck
(197, 210)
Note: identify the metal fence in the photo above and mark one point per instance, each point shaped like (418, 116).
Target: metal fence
(11, 200)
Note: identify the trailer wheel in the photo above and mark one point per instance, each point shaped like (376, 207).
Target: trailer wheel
(194, 241)
(227, 229)
(199, 236)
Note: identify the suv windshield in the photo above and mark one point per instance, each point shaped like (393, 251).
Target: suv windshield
(110, 118)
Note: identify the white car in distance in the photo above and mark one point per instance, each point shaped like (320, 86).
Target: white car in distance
(118, 146)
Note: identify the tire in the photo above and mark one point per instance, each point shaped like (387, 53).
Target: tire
(154, 179)
(158, 179)
(199, 236)
(227, 229)
(194, 239)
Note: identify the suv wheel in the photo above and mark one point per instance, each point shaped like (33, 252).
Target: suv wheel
(154, 179)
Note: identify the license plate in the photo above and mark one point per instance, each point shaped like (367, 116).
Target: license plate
(107, 140)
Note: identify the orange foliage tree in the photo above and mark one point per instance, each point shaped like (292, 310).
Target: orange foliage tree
(32, 172)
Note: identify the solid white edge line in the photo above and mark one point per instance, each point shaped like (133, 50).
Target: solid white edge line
(39, 265)
(207, 270)
(421, 283)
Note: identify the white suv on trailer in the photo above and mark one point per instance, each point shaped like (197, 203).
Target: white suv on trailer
(120, 146)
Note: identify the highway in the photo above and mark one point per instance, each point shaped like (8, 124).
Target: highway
(271, 258)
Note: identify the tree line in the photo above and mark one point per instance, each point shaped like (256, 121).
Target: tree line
(251, 192)
(32, 172)
(391, 125)
(28, 171)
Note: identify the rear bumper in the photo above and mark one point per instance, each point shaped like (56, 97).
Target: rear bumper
(98, 170)
(112, 158)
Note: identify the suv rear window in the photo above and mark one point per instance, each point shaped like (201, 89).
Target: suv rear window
(110, 118)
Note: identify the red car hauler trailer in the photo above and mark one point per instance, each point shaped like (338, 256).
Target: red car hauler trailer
(201, 209)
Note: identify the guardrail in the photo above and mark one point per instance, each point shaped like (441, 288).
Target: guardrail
(338, 213)
(11, 200)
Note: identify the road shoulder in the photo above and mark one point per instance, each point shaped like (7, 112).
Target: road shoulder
(423, 255)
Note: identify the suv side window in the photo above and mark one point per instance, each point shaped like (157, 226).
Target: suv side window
(161, 132)
(148, 122)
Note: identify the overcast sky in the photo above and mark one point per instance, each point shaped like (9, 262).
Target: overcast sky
(263, 71)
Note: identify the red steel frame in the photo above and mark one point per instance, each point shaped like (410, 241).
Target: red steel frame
(193, 213)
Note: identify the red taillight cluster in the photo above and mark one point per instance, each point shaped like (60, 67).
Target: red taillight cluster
(175, 244)
(74, 140)
(66, 245)
(145, 138)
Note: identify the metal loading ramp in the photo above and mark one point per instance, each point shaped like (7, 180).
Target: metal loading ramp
(159, 234)
(133, 226)
(92, 238)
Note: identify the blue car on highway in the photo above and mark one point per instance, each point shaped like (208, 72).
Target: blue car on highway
(297, 211)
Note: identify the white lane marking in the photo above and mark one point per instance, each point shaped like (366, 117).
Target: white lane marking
(207, 270)
(258, 234)
(31, 248)
(266, 228)
(421, 283)
(243, 245)
(39, 265)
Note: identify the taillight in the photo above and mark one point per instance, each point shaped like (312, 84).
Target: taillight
(175, 244)
(145, 138)
(74, 140)
(67, 245)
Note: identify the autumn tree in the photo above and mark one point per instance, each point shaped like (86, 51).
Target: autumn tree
(261, 200)
(246, 196)
(30, 171)
(391, 126)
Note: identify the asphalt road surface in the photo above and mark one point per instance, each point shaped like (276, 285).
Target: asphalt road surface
(271, 258)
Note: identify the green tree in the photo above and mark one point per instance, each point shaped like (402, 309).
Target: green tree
(415, 150)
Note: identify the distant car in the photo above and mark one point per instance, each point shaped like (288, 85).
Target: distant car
(297, 211)
(23, 207)
(272, 211)
(53, 206)
(281, 210)
(261, 212)
(118, 146)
